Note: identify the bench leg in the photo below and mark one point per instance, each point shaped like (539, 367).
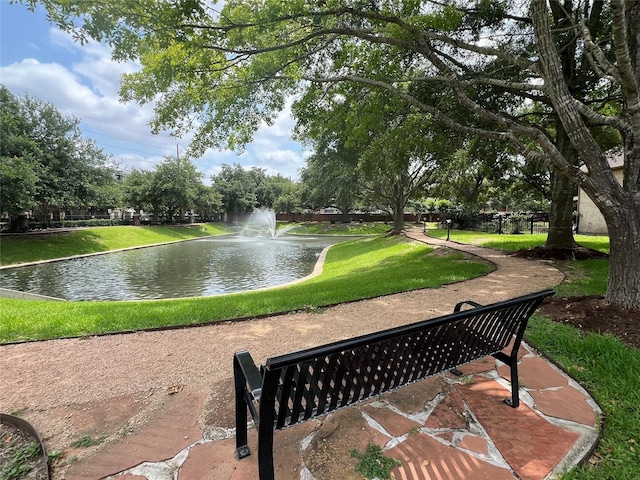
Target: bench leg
(514, 401)
(242, 450)
(267, 425)
(265, 454)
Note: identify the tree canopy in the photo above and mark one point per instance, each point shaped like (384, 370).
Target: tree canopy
(234, 67)
(241, 191)
(46, 164)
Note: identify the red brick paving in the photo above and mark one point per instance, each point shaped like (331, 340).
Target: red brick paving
(161, 437)
(529, 443)
(566, 403)
(424, 458)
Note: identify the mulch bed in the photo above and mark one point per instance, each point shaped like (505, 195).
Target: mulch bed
(544, 253)
(588, 313)
(594, 314)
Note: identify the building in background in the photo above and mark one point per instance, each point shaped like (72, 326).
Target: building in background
(590, 220)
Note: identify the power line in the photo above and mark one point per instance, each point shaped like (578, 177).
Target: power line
(81, 115)
(102, 144)
(128, 149)
(119, 138)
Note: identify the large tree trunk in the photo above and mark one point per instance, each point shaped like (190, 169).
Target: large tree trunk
(620, 206)
(561, 212)
(398, 221)
(624, 260)
(562, 192)
(398, 213)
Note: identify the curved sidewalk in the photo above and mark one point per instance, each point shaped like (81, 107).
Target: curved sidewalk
(169, 400)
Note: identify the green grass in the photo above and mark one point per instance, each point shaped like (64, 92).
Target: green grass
(511, 243)
(587, 277)
(46, 246)
(353, 270)
(327, 228)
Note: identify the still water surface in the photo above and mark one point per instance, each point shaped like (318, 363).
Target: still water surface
(202, 267)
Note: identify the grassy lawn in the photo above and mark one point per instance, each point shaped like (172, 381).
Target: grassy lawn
(46, 246)
(328, 228)
(353, 270)
(511, 243)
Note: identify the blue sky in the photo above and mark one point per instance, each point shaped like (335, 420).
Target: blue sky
(38, 59)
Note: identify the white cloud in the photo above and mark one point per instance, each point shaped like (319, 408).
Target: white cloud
(84, 82)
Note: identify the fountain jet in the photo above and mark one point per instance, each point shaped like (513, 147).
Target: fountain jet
(262, 223)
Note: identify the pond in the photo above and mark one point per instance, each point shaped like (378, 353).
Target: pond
(204, 267)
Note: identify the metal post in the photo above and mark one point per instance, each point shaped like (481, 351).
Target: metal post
(448, 228)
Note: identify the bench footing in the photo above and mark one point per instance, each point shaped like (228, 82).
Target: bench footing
(242, 452)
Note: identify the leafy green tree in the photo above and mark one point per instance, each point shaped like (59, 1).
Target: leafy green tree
(395, 169)
(137, 191)
(46, 163)
(330, 177)
(286, 194)
(17, 194)
(170, 190)
(18, 177)
(208, 203)
(67, 162)
(175, 183)
(236, 187)
(256, 53)
(467, 173)
(369, 147)
(445, 207)
(265, 196)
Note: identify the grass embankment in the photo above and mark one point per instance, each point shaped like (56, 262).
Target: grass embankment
(608, 368)
(353, 270)
(328, 228)
(47, 246)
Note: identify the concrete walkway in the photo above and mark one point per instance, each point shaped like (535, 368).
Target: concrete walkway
(440, 428)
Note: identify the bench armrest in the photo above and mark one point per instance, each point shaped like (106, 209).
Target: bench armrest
(458, 306)
(251, 374)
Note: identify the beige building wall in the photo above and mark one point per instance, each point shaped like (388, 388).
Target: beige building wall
(591, 220)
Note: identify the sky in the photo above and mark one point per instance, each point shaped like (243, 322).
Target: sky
(39, 60)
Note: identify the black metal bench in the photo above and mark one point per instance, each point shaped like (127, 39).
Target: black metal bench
(295, 387)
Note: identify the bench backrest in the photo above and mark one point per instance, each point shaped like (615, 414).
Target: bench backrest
(316, 381)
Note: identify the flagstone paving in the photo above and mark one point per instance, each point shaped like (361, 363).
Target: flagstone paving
(444, 428)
